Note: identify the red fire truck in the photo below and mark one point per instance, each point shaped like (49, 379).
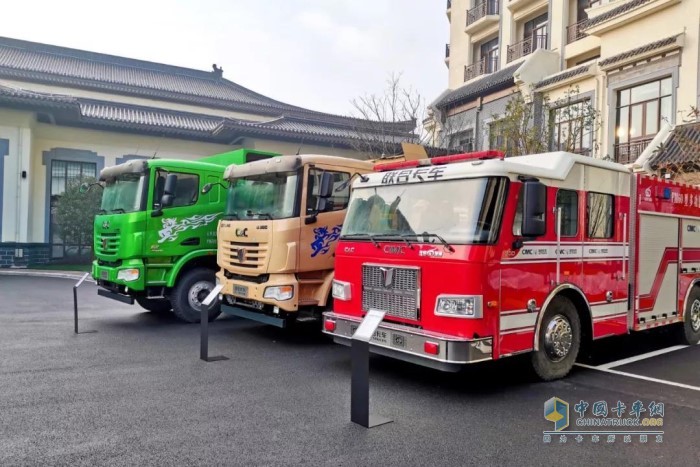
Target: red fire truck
(477, 257)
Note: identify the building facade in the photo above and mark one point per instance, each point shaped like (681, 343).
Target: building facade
(636, 62)
(66, 114)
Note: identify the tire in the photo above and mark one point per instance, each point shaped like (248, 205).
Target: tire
(689, 330)
(559, 340)
(156, 305)
(193, 287)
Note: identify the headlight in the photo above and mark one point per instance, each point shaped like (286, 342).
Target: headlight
(459, 306)
(341, 290)
(128, 274)
(281, 292)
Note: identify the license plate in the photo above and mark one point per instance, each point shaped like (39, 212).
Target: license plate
(380, 335)
(240, 290)
(104, 275)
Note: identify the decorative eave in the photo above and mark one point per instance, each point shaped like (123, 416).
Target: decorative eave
(618, 16)
(646, 51)
(566, 77)
(502, 79)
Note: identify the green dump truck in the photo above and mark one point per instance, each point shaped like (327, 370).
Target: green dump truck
(155, 236)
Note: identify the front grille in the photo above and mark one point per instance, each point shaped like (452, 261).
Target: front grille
(244, 255)
(390, 289)
(107, 243)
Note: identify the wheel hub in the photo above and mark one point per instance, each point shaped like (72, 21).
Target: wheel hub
(695, 316)
(198, 292)
(558, 338)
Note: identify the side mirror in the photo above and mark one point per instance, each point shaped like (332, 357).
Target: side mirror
(326, 188)
(534, 208)
(207, 188)
(84, 188)
(169, 190)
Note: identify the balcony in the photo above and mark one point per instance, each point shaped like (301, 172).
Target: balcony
(447, 52)
(482, 16)
(526, 47)
(575, 32)
(484, 66)
(627, 153)
(449, 9)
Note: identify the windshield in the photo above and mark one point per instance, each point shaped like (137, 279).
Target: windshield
(264, 196)
(459, 211)
(124, 193)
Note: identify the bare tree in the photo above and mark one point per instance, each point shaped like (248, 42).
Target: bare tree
(539, 125)
(388, 119)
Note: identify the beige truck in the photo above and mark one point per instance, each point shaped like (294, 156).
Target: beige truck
(277, 237)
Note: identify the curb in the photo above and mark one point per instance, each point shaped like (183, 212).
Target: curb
(39, 273)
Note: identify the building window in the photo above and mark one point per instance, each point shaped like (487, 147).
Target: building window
(63, 174)
(536, 29)
(498, 137)
(600, 215)
(567, 200)
(488, 53)
(572, 128)
(464, 141)
(640, 111)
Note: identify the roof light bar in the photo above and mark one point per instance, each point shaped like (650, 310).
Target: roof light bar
(469, 156)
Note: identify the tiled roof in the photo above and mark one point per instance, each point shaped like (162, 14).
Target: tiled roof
(562, 76)
(108, 73)
(681, 148)
(622, 9)
(488, 83)
(639, 51)
(93, 113)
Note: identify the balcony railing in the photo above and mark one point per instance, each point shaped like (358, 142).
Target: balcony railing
(627, 153)
(484, 66)
(447, 51)
(486, 7)
(575, 32)
(449, 4)
(526, 47)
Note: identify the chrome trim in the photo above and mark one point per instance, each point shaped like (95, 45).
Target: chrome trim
(632, 298)
(687, 294)
(549, 298)
(449, 345)
(558, 255)
(478, 306)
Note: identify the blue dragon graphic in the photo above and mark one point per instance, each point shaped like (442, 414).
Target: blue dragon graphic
(323, 238)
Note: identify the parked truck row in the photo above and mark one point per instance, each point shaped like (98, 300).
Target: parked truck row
(471, 257)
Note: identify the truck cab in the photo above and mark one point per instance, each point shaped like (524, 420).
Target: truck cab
(278, 235)
(155, 236)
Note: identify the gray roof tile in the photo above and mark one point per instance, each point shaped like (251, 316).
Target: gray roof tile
(682, 148)
(639, 51)
(488, 83)
(562, 76)
(622, 9)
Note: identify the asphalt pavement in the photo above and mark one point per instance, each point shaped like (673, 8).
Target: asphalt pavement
(136, 393)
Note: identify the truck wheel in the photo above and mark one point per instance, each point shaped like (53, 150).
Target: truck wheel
(689, 332)
(157, 305)
(559, 340)
(191, 289)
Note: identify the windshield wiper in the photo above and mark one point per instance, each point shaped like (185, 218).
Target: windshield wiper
(233, 215)
(119, 210)
(259, 214)
(442, 240)
(363, 235)
(101, 211)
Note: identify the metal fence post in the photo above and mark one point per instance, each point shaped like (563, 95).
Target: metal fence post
(75, 305)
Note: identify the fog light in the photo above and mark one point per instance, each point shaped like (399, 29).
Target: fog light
(280, 292)
(276, 310)
(329, 325)
(128, 274)
(432, 348)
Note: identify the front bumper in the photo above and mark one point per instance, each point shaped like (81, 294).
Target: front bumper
(406, 343)
(107, 275)
(249, 291)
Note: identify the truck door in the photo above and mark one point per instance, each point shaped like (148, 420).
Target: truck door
(180, 227)
(320, 230)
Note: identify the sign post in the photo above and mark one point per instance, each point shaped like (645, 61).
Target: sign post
(359, 390)
(75, 305)
(204, 328)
